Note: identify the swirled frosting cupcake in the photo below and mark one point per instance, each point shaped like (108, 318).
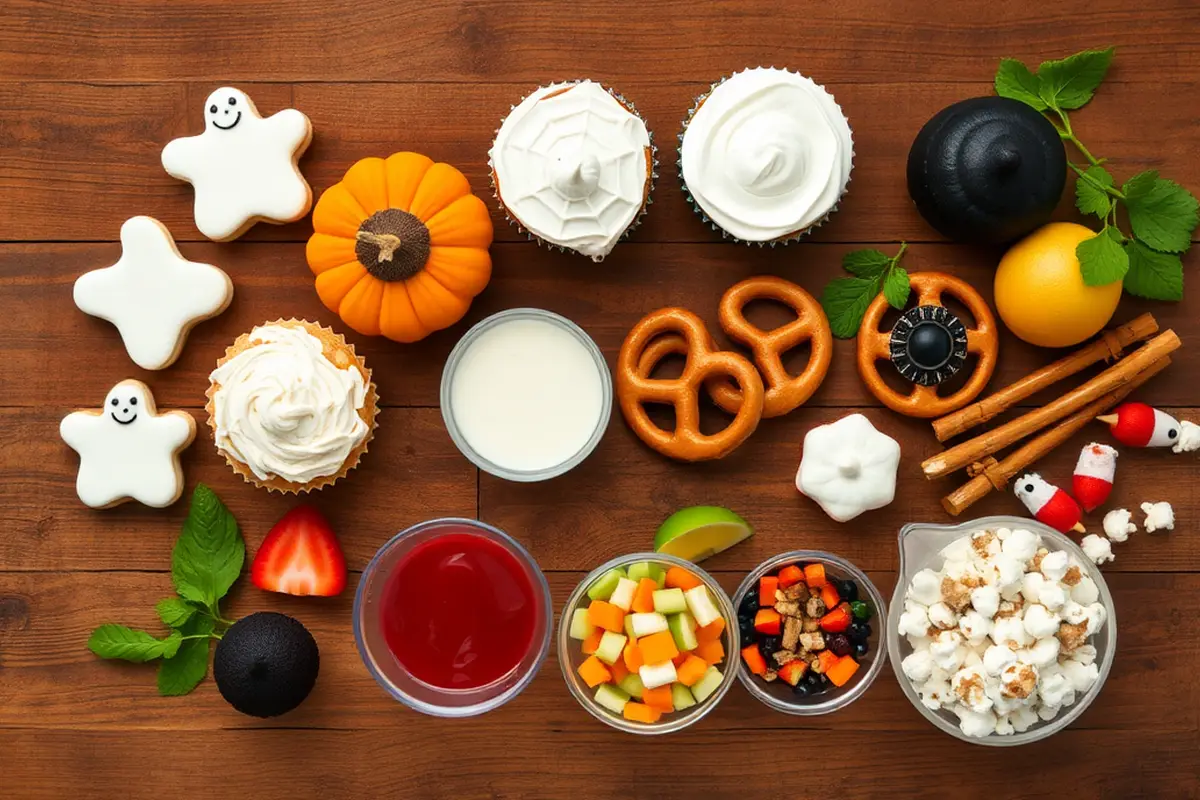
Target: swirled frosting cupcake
(573, 166)
(765, 155)
(291, 406)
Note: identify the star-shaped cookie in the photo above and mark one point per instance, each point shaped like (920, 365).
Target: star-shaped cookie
(153, 294)
(127, 450)
(243, 167)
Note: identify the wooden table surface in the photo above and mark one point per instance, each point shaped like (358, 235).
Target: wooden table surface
(90, 93)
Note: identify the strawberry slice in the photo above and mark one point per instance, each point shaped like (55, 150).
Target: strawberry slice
(300, 556)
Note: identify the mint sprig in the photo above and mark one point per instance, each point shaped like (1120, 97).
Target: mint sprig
(1162, 214)
(205, 562)
(845, 300)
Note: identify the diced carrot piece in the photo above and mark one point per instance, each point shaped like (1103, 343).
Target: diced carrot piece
(618, 670)
(793, 671)
(711, 652)
(643, 598)
(814, 576)
(768, 621)
(594, 672)
(607, 616)
(633, 656)
(789, 576)
(691, 670)
(829, 596)
(842, 671)
(711, 632)
(659, 698)
(754, 659)
(679, 659)
(825, 660)
(640, 712)
(592, 643)
(658, 647)
(767, 586)
(680, 578)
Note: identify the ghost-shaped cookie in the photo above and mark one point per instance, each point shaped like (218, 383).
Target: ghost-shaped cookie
(243, 167)
(127, 450)
(153, 294)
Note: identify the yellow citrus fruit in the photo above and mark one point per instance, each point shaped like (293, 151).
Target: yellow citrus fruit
(1040, 293)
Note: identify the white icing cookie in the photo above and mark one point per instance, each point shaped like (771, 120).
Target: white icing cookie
(153, 294)
(127, 450)
(243, 167)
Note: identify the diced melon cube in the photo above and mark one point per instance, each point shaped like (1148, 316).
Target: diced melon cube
(646, 624)
(655, 675)
(602, 589)
(683, 630)
(611, 697)
(704, 687)
(669, 601)
(629, 626)
(632, 685)
(612, 646)
(639, 570)
(581, 627)
(681, 696)
(622, 596)
(701, 604)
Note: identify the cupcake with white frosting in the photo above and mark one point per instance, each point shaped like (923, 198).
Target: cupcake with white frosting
(573, 166)
(765, 155)
(291, 406)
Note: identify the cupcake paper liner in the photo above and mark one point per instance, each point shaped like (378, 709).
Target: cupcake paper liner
(788, 239)
(334, 343)
(649, 195)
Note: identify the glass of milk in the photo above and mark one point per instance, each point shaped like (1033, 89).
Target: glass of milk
(526, 395)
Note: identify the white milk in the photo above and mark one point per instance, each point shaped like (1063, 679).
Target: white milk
(526, 395)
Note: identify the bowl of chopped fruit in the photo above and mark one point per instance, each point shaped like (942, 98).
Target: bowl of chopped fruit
(805, 623)
(646, 643)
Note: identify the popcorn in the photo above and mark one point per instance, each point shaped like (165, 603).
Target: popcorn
(1039, 622)
(996, 658)
(1054, 566)
(1009, 631)
(936, 691)
(976, 724)
(1085, 592)
(926, 587)
(1009, 571)
(1021, 545)
(1084, 654)
(975, 627)
(1004, 726)
(1099, 549)
(1047, 713)
(1031, 586)
(1096, 617)
(1023, 719)
(1081, 676)
(986, 600)
(1052, 595)
(1056, 689)
(958, 550)
(942, 616)
(1019, 681)
(970, 687)
(1189, 438)
(1118, 525)
(918, 666)
(1073, 612)
(914, 621)
(945, 651)
(1042, 653)
(1159, 517)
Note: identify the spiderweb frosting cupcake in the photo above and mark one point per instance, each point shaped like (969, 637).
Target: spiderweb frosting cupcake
(573, 166)
(765, 155)
(291, 406)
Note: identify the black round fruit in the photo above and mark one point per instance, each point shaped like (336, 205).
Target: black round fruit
(749, 604)
(266, 664)
(848, 590)
(861, 649)
(802, 689)
(839, 644)
(859, 631)
(812, 679)
(747, 632)
(769, 646)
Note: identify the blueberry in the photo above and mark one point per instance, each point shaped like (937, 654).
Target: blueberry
(847, 590)
(802, 689)
(770, 645)
(859, 631)
(811, 679)
(861, 649)
(747, 633)
(749, 604)
(746, 619)
(838, 644)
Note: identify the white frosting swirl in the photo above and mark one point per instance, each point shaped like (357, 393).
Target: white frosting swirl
(767, 154)
(284, 409)
(571, 166)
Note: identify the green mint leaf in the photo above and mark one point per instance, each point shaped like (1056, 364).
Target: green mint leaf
(1016, 82)
(1089, 198)
(896, 288)
(174, 611)
(209, 553)
(183, 671)
(1102, 258)
(866, 263)
(1071, 82)
(845, 300)
(1153, 275)
(127, 644)
(1163, 213)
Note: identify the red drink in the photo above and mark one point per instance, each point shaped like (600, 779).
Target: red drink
(458, 611)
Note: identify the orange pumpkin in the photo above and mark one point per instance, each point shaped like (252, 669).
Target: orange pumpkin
(400, 246)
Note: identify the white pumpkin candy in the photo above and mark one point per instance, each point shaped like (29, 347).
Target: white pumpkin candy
(848, 467)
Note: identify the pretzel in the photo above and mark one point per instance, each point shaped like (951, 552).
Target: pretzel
(635, 387)
(785, 393)
(875, 345)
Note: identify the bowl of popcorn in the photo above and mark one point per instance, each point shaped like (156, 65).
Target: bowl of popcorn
(1001, 631)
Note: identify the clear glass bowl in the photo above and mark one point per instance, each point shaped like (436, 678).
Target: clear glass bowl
(570, 656)
(920, 546)
(449, 371)
(778, 694)
(387, 670)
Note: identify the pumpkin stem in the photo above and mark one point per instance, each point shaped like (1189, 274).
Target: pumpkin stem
(388, 243)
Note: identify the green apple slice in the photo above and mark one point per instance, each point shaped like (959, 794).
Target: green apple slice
(622, 595)
(698, 532)
(611, 697)
(581, 626)
(655, 675)
(604, 586)
(610, 648)
(701, 604)
(669, 601)
(683, 630)
(646, 624)
(681, 696)
(645, 569)
(632, 685)
(707, 684)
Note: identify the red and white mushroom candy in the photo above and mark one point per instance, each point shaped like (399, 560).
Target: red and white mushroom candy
(1049, 504)
(1094, 473)
(1140, 425)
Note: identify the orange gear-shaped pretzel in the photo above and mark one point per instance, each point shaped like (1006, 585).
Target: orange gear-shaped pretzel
(875, 345)
(649, 341)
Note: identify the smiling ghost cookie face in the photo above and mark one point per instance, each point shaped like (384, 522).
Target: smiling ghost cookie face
(127, 450)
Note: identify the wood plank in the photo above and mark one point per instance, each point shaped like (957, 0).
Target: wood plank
(273, 281)
(49, 680)
(412, 472)
(85, 157)
(528, 40)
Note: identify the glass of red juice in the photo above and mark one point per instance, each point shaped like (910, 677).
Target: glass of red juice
(452, 617)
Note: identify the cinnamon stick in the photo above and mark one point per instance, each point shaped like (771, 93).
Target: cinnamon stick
(984, 445)
(1107, 347)
(995, 475)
